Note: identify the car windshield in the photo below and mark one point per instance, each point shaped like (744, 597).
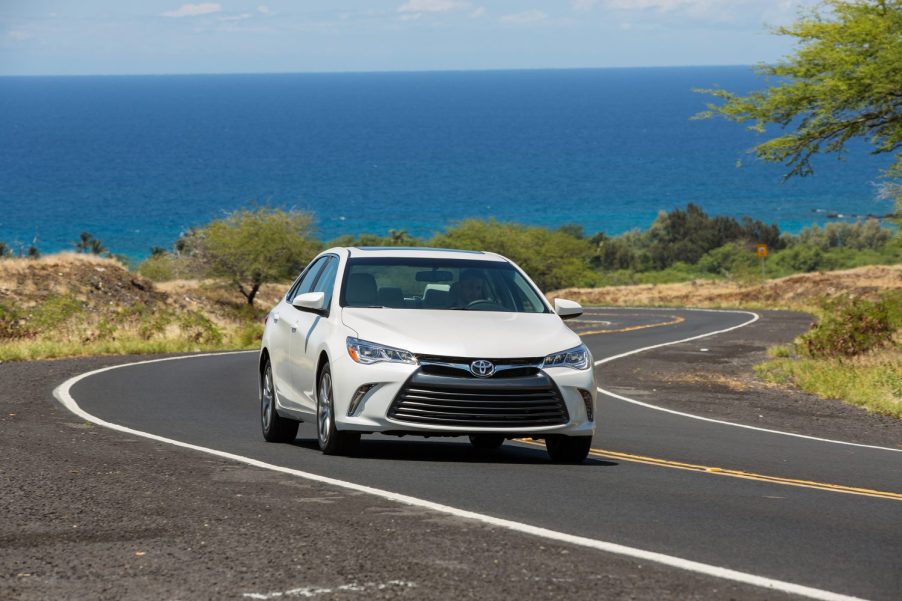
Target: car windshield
(451, 284)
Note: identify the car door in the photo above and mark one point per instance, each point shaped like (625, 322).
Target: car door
(283, 317)
(307, 335)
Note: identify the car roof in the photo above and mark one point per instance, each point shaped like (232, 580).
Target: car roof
(421, 253)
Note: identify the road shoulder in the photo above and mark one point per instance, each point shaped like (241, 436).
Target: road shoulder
(714, 377)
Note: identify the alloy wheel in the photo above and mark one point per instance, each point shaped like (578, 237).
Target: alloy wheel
(324, 410)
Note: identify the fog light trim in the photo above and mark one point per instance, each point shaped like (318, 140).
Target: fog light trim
(359, 394)
(587, 399)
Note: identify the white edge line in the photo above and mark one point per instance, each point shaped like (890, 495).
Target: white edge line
(62, 394)
(755, 317)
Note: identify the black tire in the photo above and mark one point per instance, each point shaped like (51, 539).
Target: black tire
(568, 449)
(275, 427)
(330, 439)
(486, 442)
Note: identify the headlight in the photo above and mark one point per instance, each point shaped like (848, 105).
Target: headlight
(576, 357)
(365, 352)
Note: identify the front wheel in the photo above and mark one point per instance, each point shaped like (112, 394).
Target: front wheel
(568, 449)
(275, 427)
(331, 440)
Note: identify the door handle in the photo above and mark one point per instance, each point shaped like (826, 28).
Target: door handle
(294, 327)
(275, 317)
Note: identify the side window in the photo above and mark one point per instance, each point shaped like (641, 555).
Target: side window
(326, 281)
(305, 283)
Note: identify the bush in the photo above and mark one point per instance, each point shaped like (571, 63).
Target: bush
(163, 267)
(11, 323)
(394, 238)
(868, 234)
(554, 259)
(619, 252)
(854, 326)
(800, 258)
(731, 258)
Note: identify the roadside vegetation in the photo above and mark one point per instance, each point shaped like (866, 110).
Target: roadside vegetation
(212, 288)
(853, 353)
(81, 304)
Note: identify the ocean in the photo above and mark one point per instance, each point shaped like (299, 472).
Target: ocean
(138, 160)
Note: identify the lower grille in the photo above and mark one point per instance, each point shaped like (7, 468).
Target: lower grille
(524, 402)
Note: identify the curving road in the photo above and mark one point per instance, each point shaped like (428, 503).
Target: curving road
(694, 490)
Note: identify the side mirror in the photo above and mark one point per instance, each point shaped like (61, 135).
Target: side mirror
(567, 309)
(309, 301)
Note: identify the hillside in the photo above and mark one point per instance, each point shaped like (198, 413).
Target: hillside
(795, 291)
(71, 304)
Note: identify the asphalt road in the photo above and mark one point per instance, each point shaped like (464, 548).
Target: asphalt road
(839, 542)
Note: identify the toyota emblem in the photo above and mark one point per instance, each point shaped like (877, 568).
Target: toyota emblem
(482, 368)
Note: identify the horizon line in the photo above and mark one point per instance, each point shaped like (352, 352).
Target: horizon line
(375, 71)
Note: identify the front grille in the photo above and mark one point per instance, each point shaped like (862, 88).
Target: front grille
(519, 402)
(460, 366)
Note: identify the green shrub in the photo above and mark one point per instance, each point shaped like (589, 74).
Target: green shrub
(163, 267)
(799, 258)
(11, 323)
(197, 328)
(854, 326)
(553, 258)
(731, 258)
(868, 234)
(54, 312)
(250, 334)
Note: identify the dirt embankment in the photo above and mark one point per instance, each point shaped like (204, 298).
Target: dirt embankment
(795, 291)
(103, 285)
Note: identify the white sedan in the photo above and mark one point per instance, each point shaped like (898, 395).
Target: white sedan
(423, 341)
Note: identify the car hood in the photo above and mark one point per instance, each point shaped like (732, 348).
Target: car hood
(485, 334)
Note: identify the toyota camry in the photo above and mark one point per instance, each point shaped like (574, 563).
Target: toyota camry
(429, 342)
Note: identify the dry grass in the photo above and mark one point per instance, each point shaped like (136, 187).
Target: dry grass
(801, 291)
(872, 381)
(76, 305)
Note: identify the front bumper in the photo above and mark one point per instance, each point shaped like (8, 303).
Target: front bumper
(378, 411)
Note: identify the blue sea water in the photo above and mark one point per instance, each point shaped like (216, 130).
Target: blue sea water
(138, 160)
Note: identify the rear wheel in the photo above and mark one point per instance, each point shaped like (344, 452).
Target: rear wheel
(568, 449)
(275, 427)
(331, 440)
(486, 442)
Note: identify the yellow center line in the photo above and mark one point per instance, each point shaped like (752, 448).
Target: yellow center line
(719, 471)
(675, 319)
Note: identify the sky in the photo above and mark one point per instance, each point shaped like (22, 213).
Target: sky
(108, 37)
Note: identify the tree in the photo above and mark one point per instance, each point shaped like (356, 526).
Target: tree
(252, 247)
(844, 81)
(87, 243)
